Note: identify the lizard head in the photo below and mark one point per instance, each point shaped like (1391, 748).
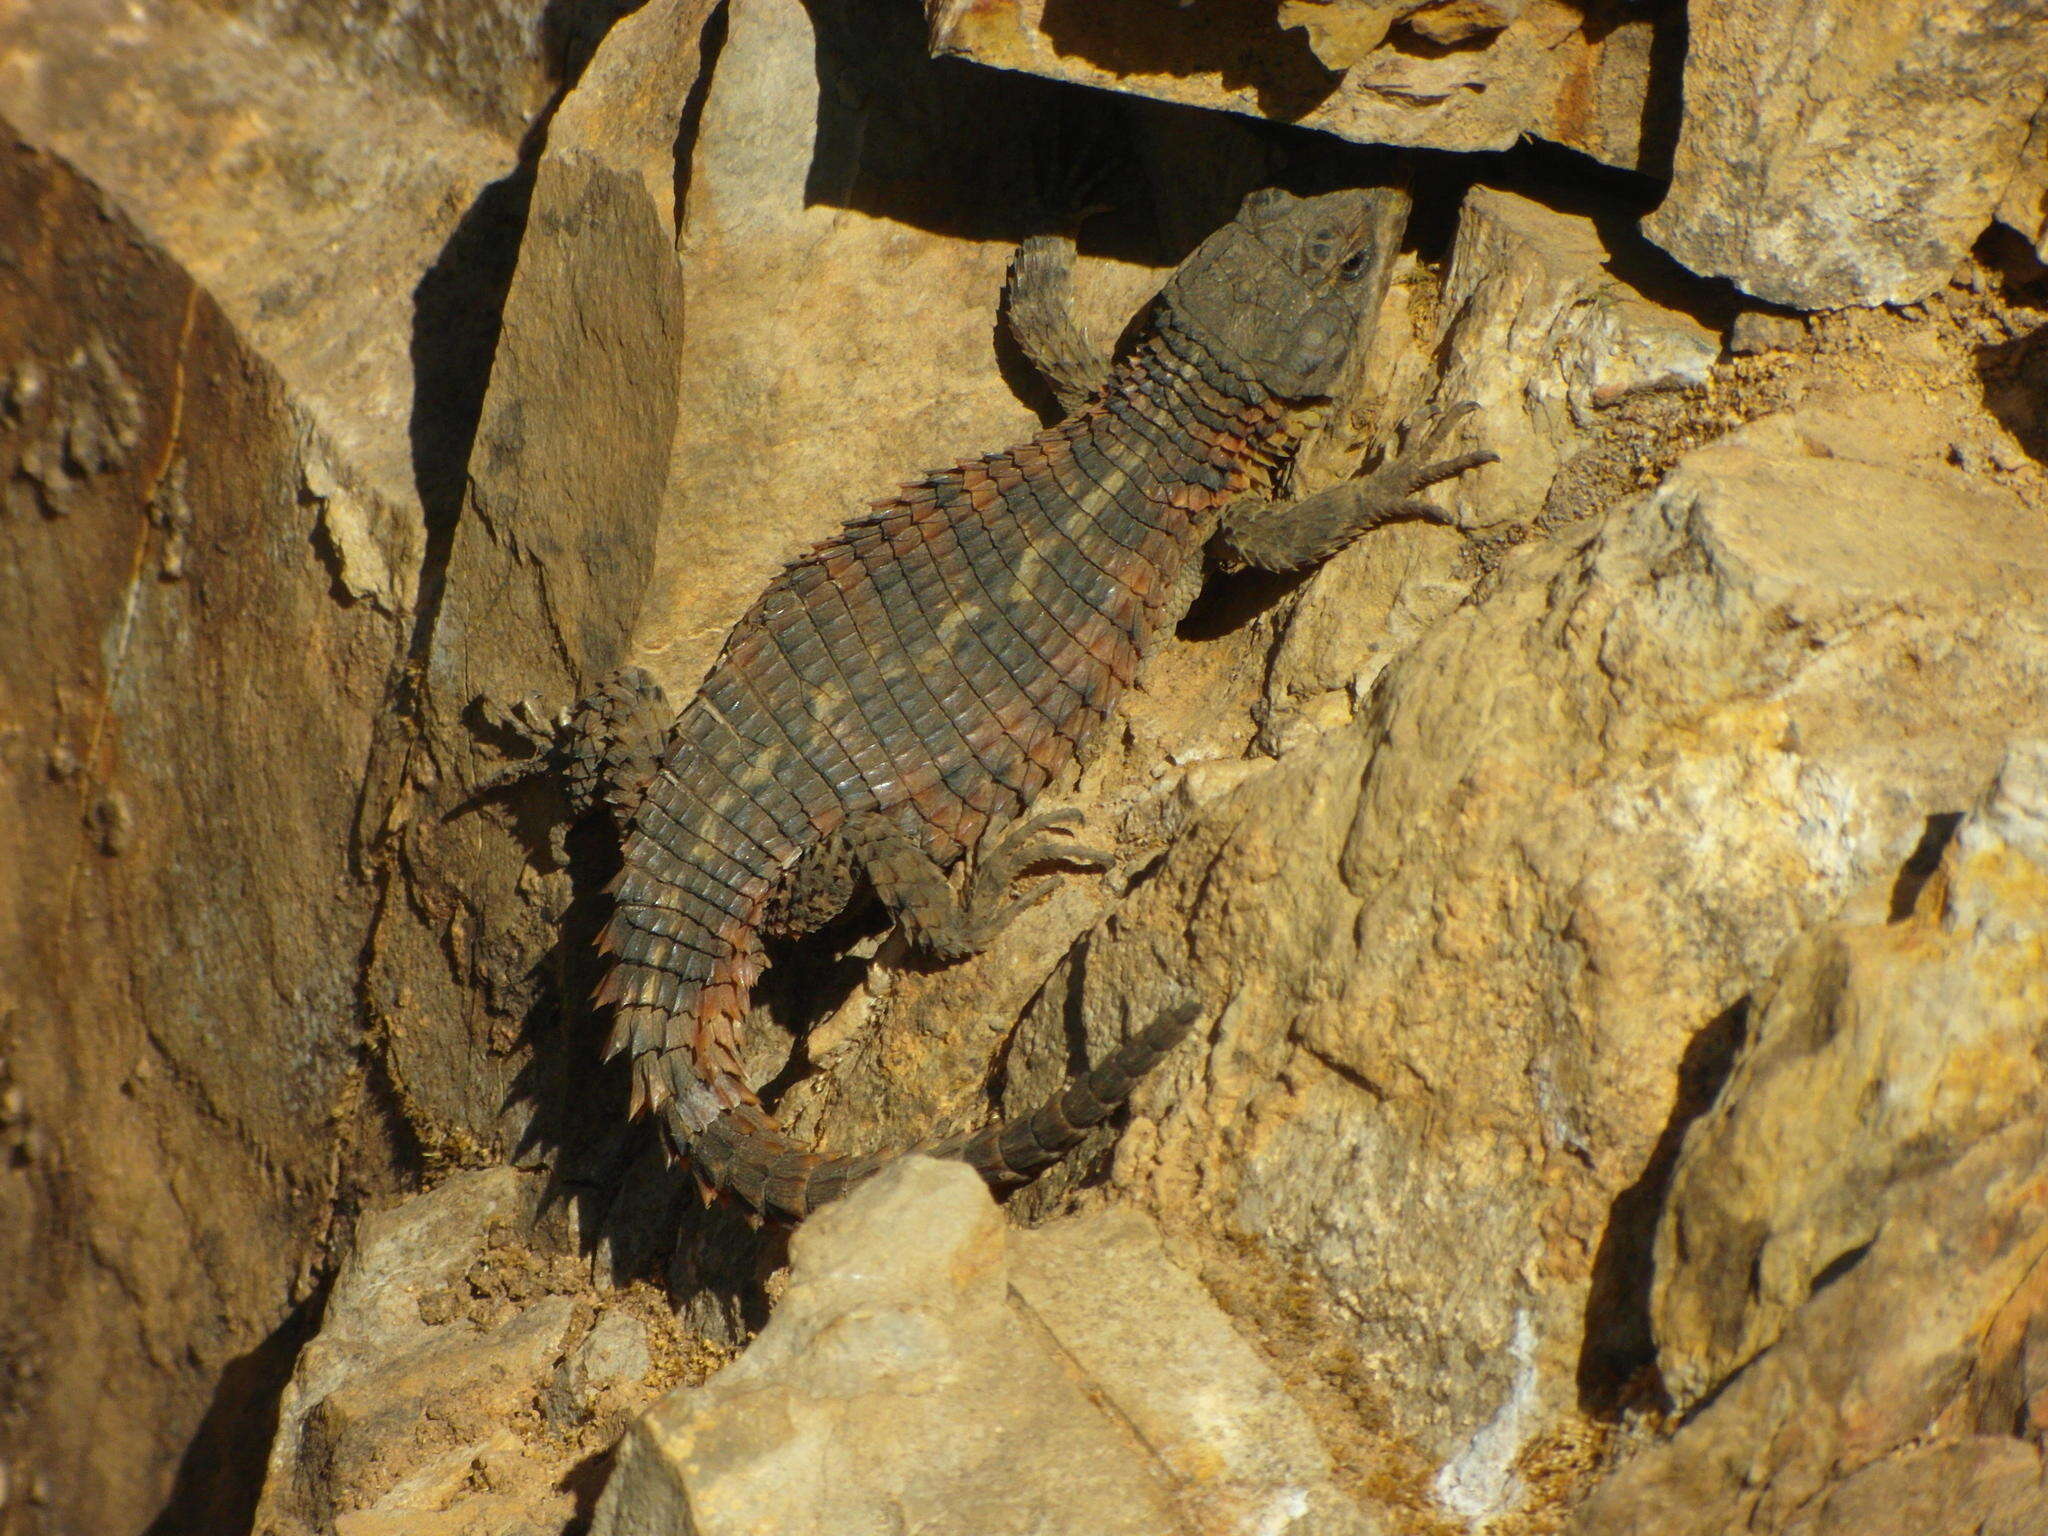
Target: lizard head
(1282, 293)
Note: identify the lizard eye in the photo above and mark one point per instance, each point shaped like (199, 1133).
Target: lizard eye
(1352, 266)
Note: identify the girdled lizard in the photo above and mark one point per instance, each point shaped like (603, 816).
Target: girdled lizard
(895, 701)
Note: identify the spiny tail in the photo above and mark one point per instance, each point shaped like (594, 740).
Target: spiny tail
(744, 1152)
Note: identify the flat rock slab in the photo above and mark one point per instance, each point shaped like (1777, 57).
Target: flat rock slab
(1364, 70)
(931, 1370)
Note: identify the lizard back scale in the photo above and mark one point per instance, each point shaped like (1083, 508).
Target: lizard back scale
(898, 697)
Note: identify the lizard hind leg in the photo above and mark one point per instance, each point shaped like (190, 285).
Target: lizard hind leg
(941, 921)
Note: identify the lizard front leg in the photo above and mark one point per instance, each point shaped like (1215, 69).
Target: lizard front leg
(950, 924)
(606, 746)
(1285, 536)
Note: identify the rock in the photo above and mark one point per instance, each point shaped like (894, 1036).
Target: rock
(1157, 1351)
(307, 203)
(2024, 205)
(1837, 154)
(187, 706)
(923, 1368)
(390, 1342)
(1458, 74)
(1472, 957)
(1865, 1413)
(491, 60)
(1893, 1039)
(1757, 331)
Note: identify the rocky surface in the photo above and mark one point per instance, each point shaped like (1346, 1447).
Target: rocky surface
(1069, 1378)
(1617, 1106)
(1852, 1258)
(1838, 155)
(1436, 74)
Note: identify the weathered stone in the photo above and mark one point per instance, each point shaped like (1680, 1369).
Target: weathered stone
(923, 1370)
(1849, 1422)
(380, 1320)
(1839, 154)
(2024, 205)
(1887, 1041)
(1756, 331)
(308, 203)
(1582, 816)
(1157, 1351)
(1462, 74)
(492, 60)
(185, 707)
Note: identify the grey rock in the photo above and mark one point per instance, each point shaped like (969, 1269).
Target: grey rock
(1836, 153)
(926, 1369)
(387, 1351)
(1881, 1401)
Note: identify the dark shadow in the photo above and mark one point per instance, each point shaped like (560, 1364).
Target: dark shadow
(584, 1482)
(1837, 1267)
(1240, 41)
(710, 44)
(1619, 1349)
(458, 310)
(1921, 863)
(2014, 372)
(570, 31)
(1228, 603)
(220, 1476)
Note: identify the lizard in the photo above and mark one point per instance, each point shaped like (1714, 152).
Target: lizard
(885, 715)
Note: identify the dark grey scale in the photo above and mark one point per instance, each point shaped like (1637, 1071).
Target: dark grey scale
(690, 881)
(707, 742)
(1054, 552)
(1032, 522)
(829, 751)
(1022, 542)
(1138, 514)
(690, 843)
(986, 632)
(683, 938)
(1016, 609)
(1193, 415)
(824, 748)
(940, 744)
(1113, 537)
(1062, 530)
(1168, 449)
(718, 807)
(1124, 433)
(1183, 413)
(687, 920)
(821, 885)
(1093, 457)
(1250, 422)
(947, 747)
(864, 714)
(997, 681)
(1053, 611)
(1196, 359)
(1141, 499)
